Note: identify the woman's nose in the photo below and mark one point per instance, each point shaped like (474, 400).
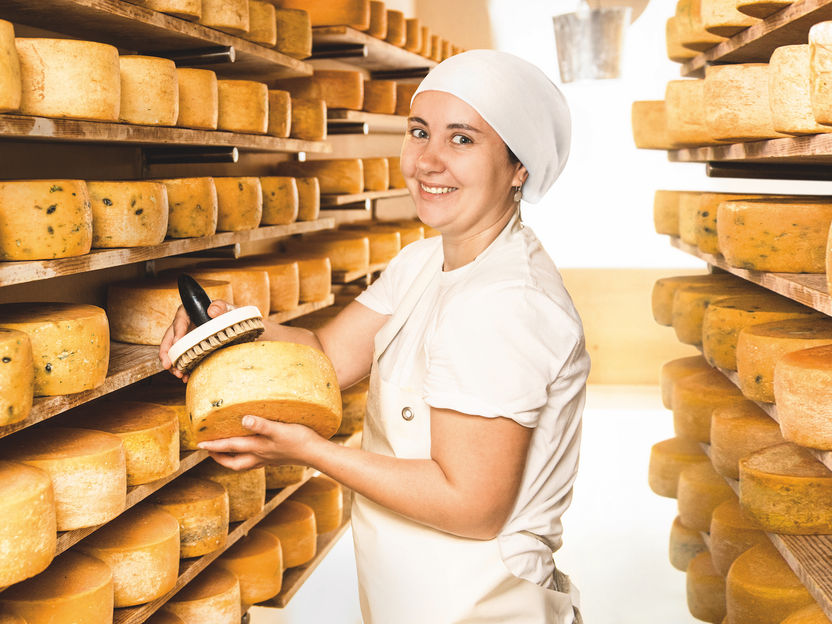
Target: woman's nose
(430, 158)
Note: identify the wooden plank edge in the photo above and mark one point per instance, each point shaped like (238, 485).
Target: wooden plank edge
(302, 310)
(343, 200)
(378, 50)
(346, 277)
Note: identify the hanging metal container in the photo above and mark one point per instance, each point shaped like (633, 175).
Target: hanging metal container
(590, 42)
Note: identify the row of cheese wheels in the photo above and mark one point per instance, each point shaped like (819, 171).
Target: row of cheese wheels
(781, 350)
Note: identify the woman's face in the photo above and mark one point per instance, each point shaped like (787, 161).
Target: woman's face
(456, 166)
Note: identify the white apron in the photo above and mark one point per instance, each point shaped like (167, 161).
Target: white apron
(411, 573)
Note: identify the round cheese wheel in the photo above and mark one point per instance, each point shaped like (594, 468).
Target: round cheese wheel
(380, 96)
(394, 168)
(676, 52)
(385, 244)
(262, 23)
(280, 112)
(128, 214)
(666, 212)
(761, 8)
(720, 17)
(786, 490)
(257, 562)
(705, 589)
(691, 29)
(52, 70)
(293, 523)
(760, 587)
(200, 507)
(186, 9)
(17, 377)
(315, 274)
(249, 286)
(685, 544)
(413, 35)
(376, 174)
(677, 369)
(648, 119)
(705, 230)
(213, 597)
(736, 102)
(280, 200)
(738, 431)
(427, 42)
(294, 33)
(227, 15)
(820, 65)
(87, 469)
(409, 233)
(141, 311)
(812, 614)
(243, 106)
(239, 203)
(70, 344)
(791, 103)
(309, 198)
(404, 94)
(326, 499)
(685, 106)
(802, 410)
(688, 209)
(9, 70)
(75, 588)
(338, 176)
(340, 89)
(284, 280)
(44, 219)
(141, 547)
(396, 33)
(700, 491)
(664, 290)
(309, 119)
(246, 488)
(192, 207)
(27, 533)
(281, 475)
(198, 98)
(172, 396)
(353, 404)
(436, 48)
(667, 459)
(280, 381)
(694, 399)
(347, 251)
(690, 303)
(378, 20)
(149, 91)
(732, 533)
(334, 12)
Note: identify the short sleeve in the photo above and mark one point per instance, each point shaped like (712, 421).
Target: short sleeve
(496, 354)
(378, 296)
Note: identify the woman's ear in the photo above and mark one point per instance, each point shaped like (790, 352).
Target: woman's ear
(520, 176)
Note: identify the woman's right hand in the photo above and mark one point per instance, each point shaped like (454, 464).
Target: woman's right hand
(180, 326)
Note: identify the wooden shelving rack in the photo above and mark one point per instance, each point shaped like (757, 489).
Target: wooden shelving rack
(375, 123)
(347, 277)
(376, 55)
(339, 201)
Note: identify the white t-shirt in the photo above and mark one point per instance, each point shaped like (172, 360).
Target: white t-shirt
(499, 337)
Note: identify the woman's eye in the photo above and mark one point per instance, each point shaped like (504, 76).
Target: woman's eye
(418, 133)
(461, 139)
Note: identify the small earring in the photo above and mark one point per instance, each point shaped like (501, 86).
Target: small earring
(518, 193)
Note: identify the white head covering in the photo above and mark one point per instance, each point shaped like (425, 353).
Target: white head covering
(519, 101)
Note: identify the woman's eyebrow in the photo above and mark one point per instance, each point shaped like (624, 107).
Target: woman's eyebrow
(463, 126)
(418, 120)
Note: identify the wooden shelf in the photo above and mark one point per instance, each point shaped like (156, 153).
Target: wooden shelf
(811, 149)
(336, 201)
(377, 124)
(381, 56)
(138, 29)
(302, 310)
(30, 271)
(345, 277)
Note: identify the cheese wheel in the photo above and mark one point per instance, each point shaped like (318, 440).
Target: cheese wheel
(396, 31)
(9, 70)
(394, 168)
(284, 281)
(786, 490)
(164, 617)
(380, 96)
(812, 614)
(761, 8)
(648, 120)
(675, 370)
(804, 413)
(141, 547)
(257, 562)
(413, 35)
(309, 198)
(239, 203)
(820, 67)
(779, 235)
(141, 311)
(427, 42)
(404, 94)
(280, 112)
(27, 533)
(666, 212)
(691, 301)
(231, 16)
(378, 20)
(685, 109)
(347, 251)
(692, 33)
(436, 48)
(355, 13)
(249, 286)
(705, 229)
(789, 91)
(294, 33)
(87, 469)
(353, 404)
(326, 499)
(385, 244)
(51, 71)
(309, 119)
(213, 597)
(408, 233)
(335, 176)
(760, 587)
(128, 214)
(705, 589)
(198, 98)
(376, 174)
(149, 91)
(281, 475)
(186, 9)
(700, 491)
(736, 102)
(44, 219)
(667, 459)
(676, 52)
(17, 377)
(293, 523)
(75, 586)
(446, 49)
(279, 381)
(242, 106)
(246, 488)
(688, 209)
(339, 88)
(315, 277)
(192, 207)
(685, 544)
(262, 23)
(694, 399)
(280, 200)
(732, 533)
(720, 17)
(738, 431)
(70, 344)
(172, 396)
(200, 507)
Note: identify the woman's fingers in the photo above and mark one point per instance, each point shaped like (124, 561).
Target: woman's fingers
(245, 461)
(241, 444)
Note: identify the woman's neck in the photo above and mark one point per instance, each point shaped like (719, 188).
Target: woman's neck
(462, 250)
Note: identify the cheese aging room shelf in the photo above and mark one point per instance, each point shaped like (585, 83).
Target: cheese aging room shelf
(372, 54)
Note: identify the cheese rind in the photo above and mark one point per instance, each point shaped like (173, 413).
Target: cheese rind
(128, 214)
(413, 35)
(664, 290)
(339, 88)
(246, 488)
(200, 507)
(691, 301)
(355, 13)
(803, 412)
(394, 168)
(396, 32)
(171, 395)
(347, 251)
(685, 110)
(9, 70)
(700, 491)
(284, 280)
(315, 277)
(685, 544)
(666, 212)
(198, 98)
(353, 404)
(720, 17)
(789, 91)
(335, 176)
(694, 399)
(249, 285)
(227, 15)
(239, 203)
(404, 94)
(281, 475)
(761, 8)
(17, 377)
(280, 200)
(192, 207)
(737, 104)
(667, 459)
(376, 174)
(692, 32)
(811, 614)
(820, 71)
(648, 120)
(378, 20)
(293, 523)
(738, 431)
(676, 52)
(186, 9)
(309, 119)
(309, 198)
(149, 91)
(280, 113)
(213, 597)
(325, 497)
(705, 229)
(294, 33)
(257, 562)
(732, 533)
(705, 589)
(243, 106)
(677, 369)
(380, 96)
(262, 23)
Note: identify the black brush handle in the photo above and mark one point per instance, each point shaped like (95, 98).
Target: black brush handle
(195, 299)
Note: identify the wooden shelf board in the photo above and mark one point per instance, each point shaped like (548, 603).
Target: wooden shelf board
(302, 310)
(381, 56)
(383, 124)
(136, 28)
(345, 277)
(804, 150)
(30, 271)
(344, 200)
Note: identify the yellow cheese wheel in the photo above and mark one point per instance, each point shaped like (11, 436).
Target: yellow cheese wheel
(192, 207)
(44, 219)
(692, 33)
(802, 410)
(685, 544)
(691, 301)
(760, 587)
(761, 8)
(281, 475)
(685, 109)
(309, 198)
(666, 212)
(52, 70)
(347, 251)
(76, 588)
(335, 176)
(732, 533)
(280, 112)
(353, 404)
(149, 91)
(667, 459)
(677, 369)
(246, 488)
(141, 311)
(664, 290)
(200, 507)
(262, 23)
(141, 547)
(284, 280)
(376, 174)
(17, 377)
(276, 380)
(649, 123)
(396, 32)
(186, 9)
(705, 589)
(315, 277)
(87, 469)
(309, 119)
(413, 35)
(738, 431)
(9, 70)
(408, 232)
(694, 399)
(228, 15)
(257, 562)
(249, 286)
(820, 67)
(280, 200)
(171, 395)
(786, 490)
(404, 94)
(239, 203)
(676, 52)
(243, 106)
(427, 43)
(720, 17)
(339, 88)
(213, 597)
(128, 214)
(436, 48)
(812, 614)
(787, 236)
(198, 98)
(355, 13)
(791, 103)
(27, 533)
(380, 96)
(70, 344)
(705, 230)
(378, 20)
(394, 168)
(700, 491)
(326, 499)
(294, 33)
(293, 523)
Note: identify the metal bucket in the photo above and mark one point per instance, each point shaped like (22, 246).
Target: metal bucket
(590, 42)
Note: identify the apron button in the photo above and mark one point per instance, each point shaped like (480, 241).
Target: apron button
(407, 413)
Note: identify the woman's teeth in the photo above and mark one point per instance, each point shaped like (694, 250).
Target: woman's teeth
(437, 190)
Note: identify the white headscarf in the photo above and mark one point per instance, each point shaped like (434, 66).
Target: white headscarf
(519, 101)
